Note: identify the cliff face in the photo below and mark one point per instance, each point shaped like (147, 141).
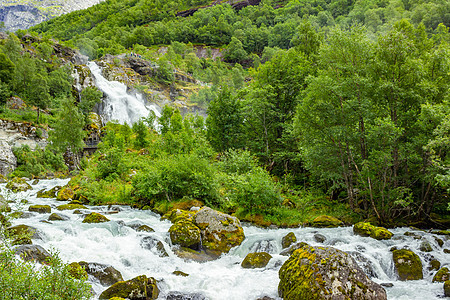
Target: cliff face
(22, 14)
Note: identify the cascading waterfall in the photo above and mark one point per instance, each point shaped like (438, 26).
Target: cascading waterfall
(116, 243)
(119, 105)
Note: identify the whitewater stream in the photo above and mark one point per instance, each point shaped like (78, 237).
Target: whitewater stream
(115, 243)
(119, 105)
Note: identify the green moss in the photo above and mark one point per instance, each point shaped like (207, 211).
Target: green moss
(18, 185)
(95, 218)
(442, 275)
(48, 194)
(77, 271)
(325, 221)
(185, 234)
(65, 194)
(256, 260)
(367, 229)
(140, 285)
(70, 206)
(42, 209)
(407, 264)
(288, 240)
(447, 288)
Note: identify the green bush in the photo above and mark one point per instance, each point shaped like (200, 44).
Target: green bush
(178, 176)
(38, 162)
(22, 280)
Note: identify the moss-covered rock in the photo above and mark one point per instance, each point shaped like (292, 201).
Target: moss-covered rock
(144, 228)
(447, 288)
(185, 234)
(325, 273)
(292, 248)
(177, 214)
(442, 275)
(288, 240)
(33, 252)
(326, 222)
(220, 232)
(434, 265)
(407, 264)
(70, 206)
(18, 185)
(107, 275)
(425, 246)
(95, 218)
(21, 234)
(65, 194)
(154, 245)
(138, 288)
(367, 229)
(256, 260)
(42, 209)
(196, 255)
(57, 217)
(48, 194)
(77, 271)
(180, 273)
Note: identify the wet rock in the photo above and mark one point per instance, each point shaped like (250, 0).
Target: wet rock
(320, 238)
(198, 256)
(4, 206)
(425, 247)
(95, 218)
(106, 274)
(185, 234)
(256, 260)
(155, 245)
(21, 231)
(33, 252)
(447, 288)
(77, 271)
(48, 194)
(446, 251)
(268, 246)
(407, 264)
(434, 265)
(36, 181)
(439, 241)
(70, 207)
(291, 249)
(58, 217)
(137, 288)
(144, 228)
(176, 215)
(4, 221)
(387, 284)
(220, 232)
(367, 229)
(365, 263)
(288, 240)
(266, 298)
(184, 296)
(180, 273)
(42, 209)
(325, 273)
(326, 222)
(442, 275)
(18, 185)
(65, 194)
(415, 235)
(8, 160)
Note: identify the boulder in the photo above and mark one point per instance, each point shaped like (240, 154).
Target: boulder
(180, 273)
(220, 232)
(292, 248)
(256, 260)
(95, 218)
(185, 234)
(144, 228)
(407, 264)
(425, 246)
(21, 231)
(42, 209)
(320, 238)
(58, 217)
(33, 252)
(106, 274)
(198, 256)
(48, 194)
(288, 240)
(367, 229)
(325, 273)
(18, 185)
(154, 245)
(447, 288)
(434, 265)
(177, 214)
(442, 275)
(8, 160)
(4, 207)
(65, 194)
(326, 222)
(77, 271)
(70, 207)
(184, 296)
(137, 288)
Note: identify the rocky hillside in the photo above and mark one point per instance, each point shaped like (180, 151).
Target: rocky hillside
(22, 14)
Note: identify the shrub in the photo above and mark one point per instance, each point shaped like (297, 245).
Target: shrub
(38, 162)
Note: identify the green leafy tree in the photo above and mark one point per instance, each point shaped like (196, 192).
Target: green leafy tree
(235, 51)
(90, 96)
(38, 93)
(6, 68)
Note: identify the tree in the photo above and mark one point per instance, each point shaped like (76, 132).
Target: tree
(6, 68)
(68, 133)
(90, 96)
(235, 51)
(38, 93)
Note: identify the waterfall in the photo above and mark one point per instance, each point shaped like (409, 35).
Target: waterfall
(118, 104)
(134, 253)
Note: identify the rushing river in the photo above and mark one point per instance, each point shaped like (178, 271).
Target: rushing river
(114, 243)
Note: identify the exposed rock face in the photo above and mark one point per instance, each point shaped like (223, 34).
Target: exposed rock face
(107, 275)
(8, 161)
(407, 264)
(137, 288)
(20, 16)
(220, 232)
(325, 273)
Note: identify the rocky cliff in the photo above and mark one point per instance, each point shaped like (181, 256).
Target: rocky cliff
(22, 14)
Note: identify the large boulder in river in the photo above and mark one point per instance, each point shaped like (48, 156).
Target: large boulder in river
(48, 194)
(33, 252)
(326, 222)
(220, 232)
(407, 264)
(442, 275)
(367, 229)
(42, 209)
(138, 288)
(65, 194)
(185, 234)
(447, 288)
(288, 240)
(325, 273)
(95, 218)
(107, 275)
(256, 260)
(8, 161)
(18, 185)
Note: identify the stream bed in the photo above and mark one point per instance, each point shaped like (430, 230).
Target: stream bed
(116, 243)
